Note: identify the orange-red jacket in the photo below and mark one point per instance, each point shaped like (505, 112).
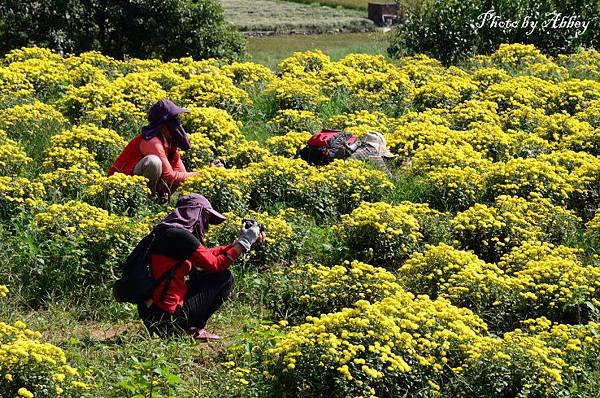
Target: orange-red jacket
(173, 170)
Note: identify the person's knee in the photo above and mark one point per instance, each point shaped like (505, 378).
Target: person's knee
(153, 165)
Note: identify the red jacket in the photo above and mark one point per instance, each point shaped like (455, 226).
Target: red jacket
(173, 170)
(210, 260)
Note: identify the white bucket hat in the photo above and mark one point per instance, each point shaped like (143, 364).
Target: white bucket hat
(377, 141)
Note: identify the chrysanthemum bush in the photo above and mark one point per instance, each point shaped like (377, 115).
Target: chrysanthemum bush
(215, 124)
(245, 153)
(119, 193)
(381, 234)
(210, 89)
(312, 289)
(13, 157)
(401, 345)
(32, 124)
(288, 144)
(277, 248)
(248, 75)
(86, 239)
(490, 231)
(538, 360)
(228, 190)
(65, 158)
(201, 152)
(288, 120)
(104, 144)
(63, 184)
(29, 367)
(339, 187)
(19, 193)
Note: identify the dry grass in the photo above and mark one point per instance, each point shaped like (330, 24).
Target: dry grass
(284, 17)
(355, 4)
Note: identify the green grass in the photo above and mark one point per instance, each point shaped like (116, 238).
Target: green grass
(270, 50)
(108, 346)
(283, 17)
(355, 4)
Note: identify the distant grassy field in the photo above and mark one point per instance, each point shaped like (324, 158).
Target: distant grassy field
(356, 4)
(284, 17)
(270, 50)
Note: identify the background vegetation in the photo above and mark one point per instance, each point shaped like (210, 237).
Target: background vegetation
(149, 28)
(446, 29)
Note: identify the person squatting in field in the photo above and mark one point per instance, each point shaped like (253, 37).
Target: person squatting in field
(154, 153)
(201, 280)
(373, 148)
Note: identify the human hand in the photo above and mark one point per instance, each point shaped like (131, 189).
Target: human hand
(217, 163)
(249, 233)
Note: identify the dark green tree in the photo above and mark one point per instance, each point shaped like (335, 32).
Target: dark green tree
(137, 28)
(450, 30)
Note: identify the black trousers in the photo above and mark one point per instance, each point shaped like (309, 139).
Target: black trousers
(206, 293)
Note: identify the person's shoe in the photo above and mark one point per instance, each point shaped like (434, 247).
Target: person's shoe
(202, 334)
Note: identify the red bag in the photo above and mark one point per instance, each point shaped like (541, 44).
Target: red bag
(327, 145)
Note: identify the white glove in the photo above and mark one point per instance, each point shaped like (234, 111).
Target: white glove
(248, 236)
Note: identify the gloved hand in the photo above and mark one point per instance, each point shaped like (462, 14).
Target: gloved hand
(248, 235)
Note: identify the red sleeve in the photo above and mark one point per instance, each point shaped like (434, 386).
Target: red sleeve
(177, 163)
(214, 260)
(154, 146)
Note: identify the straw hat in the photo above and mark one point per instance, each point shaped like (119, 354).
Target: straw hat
(377, 141)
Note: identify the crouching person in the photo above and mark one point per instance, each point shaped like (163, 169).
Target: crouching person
(199, 278)
(154, 153)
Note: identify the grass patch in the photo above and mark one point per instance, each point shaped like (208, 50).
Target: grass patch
(283, 17)
(270, 50)
(354, 4)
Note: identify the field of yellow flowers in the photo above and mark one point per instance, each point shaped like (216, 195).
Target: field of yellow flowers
(474, 271)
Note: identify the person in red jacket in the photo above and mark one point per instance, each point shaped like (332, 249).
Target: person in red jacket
(154, 153)
(199, 279)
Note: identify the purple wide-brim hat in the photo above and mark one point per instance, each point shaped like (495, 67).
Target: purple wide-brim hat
(160, 113)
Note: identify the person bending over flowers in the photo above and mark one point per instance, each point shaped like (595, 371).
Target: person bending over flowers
(201, 278)
(154, 153)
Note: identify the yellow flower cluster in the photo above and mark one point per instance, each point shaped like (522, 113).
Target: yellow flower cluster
(210, 90)
(227, 190)
(201, 151)
(18, 192)
(275, 249)
(28, 366)
(67, 157)
(12, 156)
(27, 121)
(287, 120)
(119, 193)
(103, 143)
(216, 124)
(247, 75)
(289, 144)
(393, 346)
(380, 233)
(491, 231)
(321, 289)
(87, 223)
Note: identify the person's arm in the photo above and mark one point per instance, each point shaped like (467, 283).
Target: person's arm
(155, 147)
(177, 163)
(216, 259)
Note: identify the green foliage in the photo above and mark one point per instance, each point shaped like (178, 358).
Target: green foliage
(139, 28)
(451, 30)
(152, 378)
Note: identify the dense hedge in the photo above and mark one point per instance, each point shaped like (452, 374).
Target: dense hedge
(137, 28)
(450, 30)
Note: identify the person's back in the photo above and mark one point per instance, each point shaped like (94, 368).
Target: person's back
(373, 148)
